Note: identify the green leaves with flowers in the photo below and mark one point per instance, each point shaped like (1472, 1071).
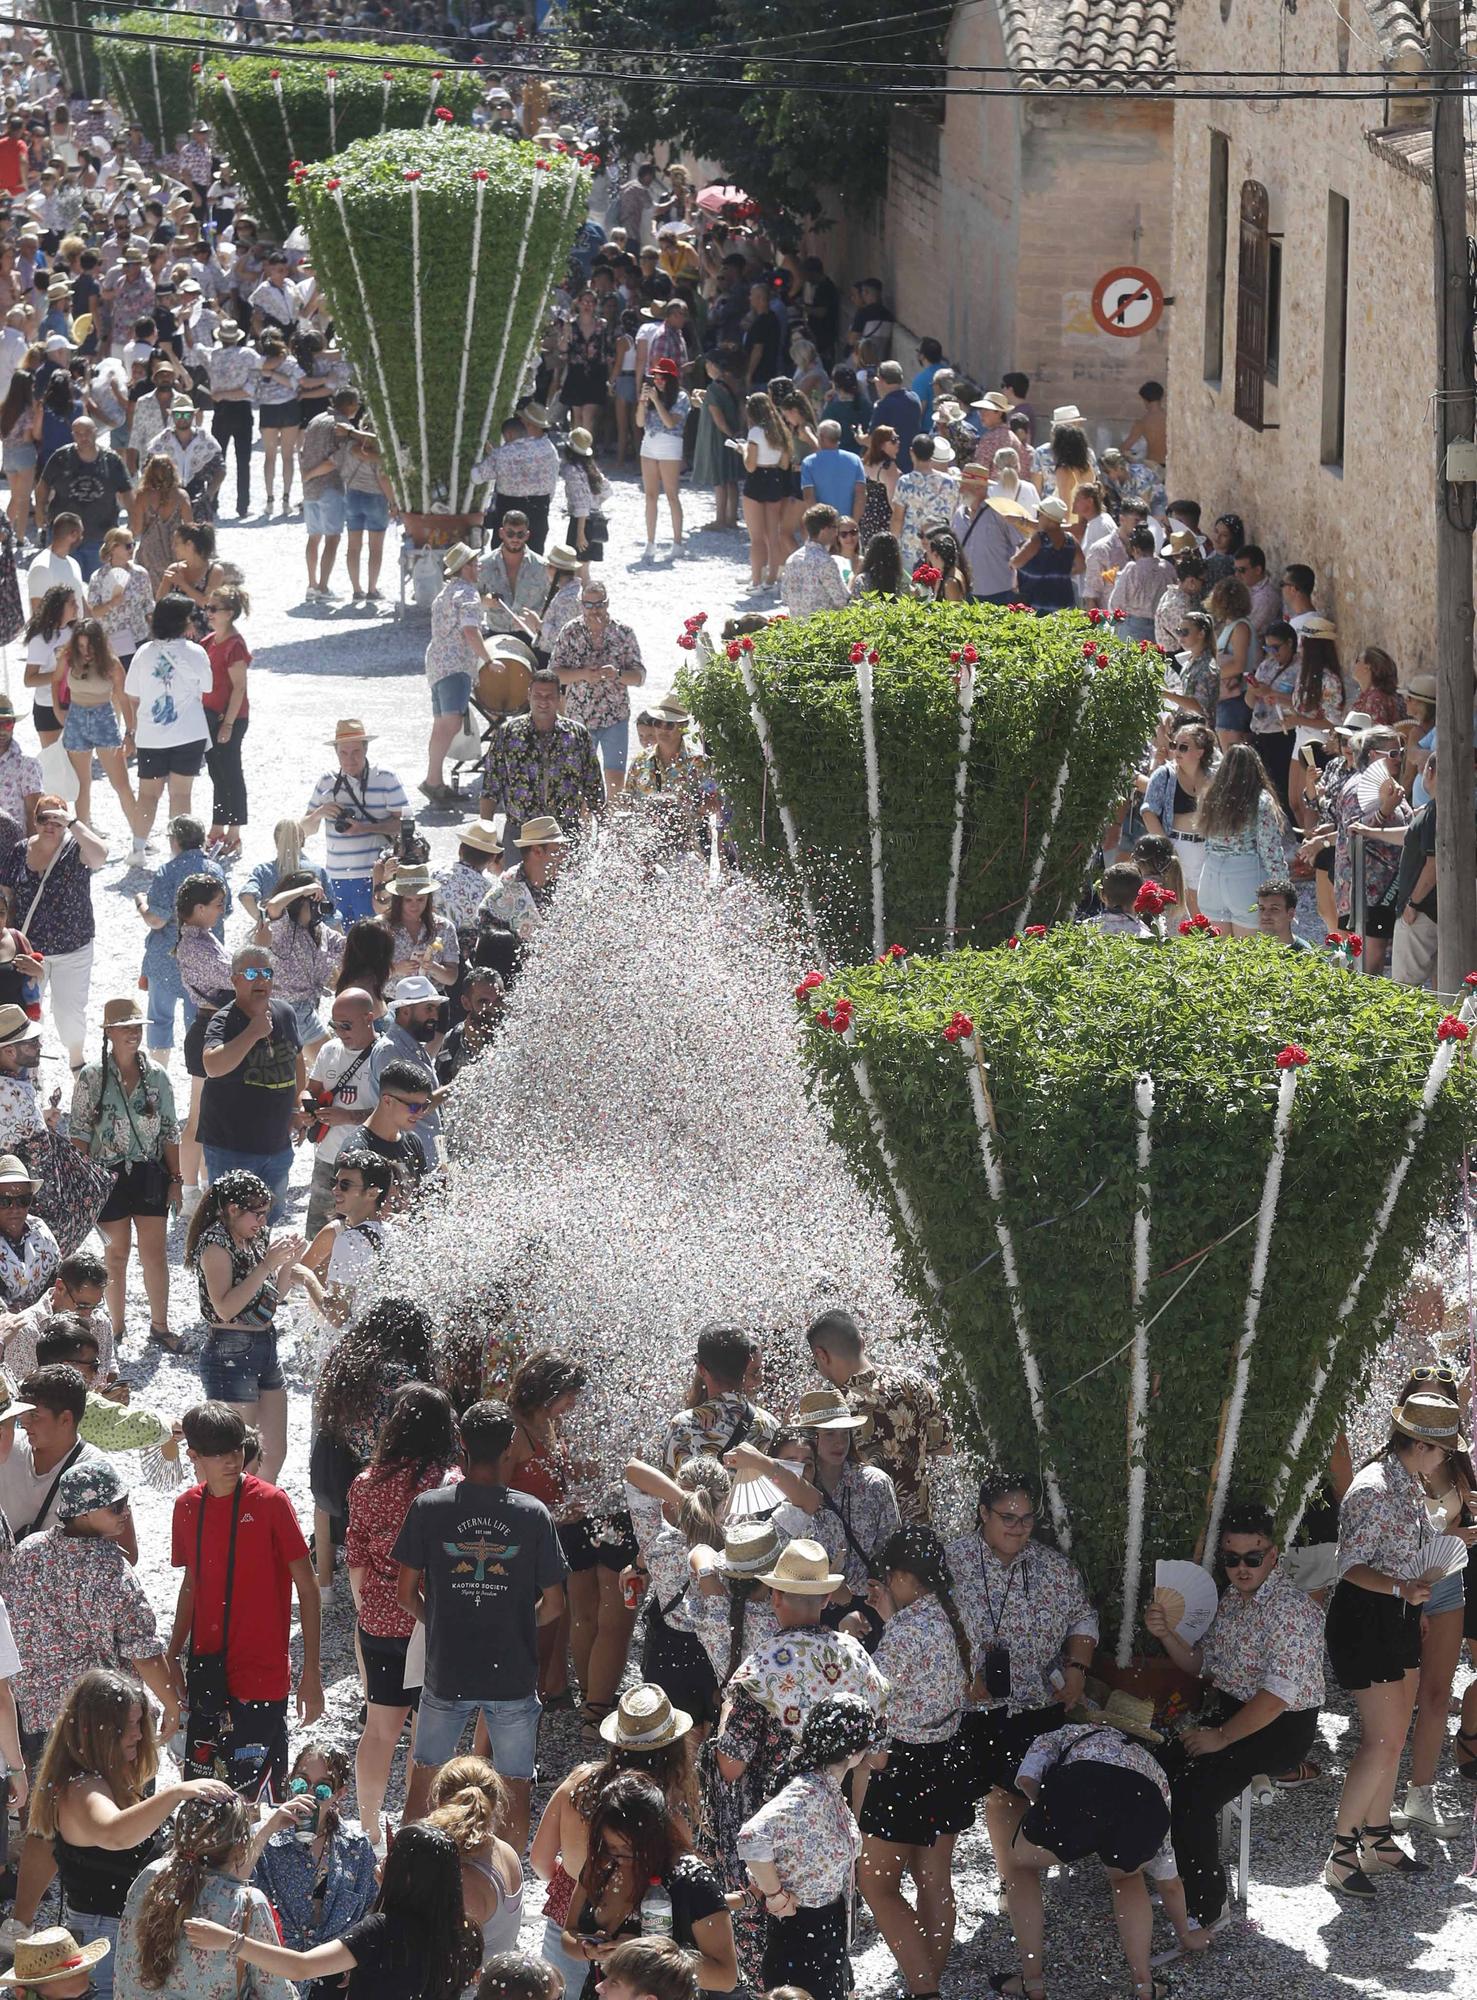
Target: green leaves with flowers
(1063, 1027)
(153, 82)
(437, 250)
(271, 112)
(1039, 704)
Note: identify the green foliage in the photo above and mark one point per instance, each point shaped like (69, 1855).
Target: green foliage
(1029, 682)
(270, 112)
(77, 53)
(1065, 1025)
(439, 360)
(155, 85)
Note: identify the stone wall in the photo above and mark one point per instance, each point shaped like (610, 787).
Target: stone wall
(1364, 524)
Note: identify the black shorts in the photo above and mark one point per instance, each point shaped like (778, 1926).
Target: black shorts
(129, 1196)
(995, 1742)
(1469, 1612)
(384, 1672)
(1089, 1808)
(766, 483)
(606, 1540)
(1371, 1638)
(921, 1791)
(281, 416)
(44, 716)
(1380, 921)
(246, 1748)
(177, 760)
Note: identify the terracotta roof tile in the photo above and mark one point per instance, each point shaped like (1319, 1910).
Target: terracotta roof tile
(1127, 41)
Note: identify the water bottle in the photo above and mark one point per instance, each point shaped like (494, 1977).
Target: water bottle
(656, 1910)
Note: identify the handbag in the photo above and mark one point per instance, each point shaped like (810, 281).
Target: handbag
(149, 1175)
(206, 1688)
(597, 528)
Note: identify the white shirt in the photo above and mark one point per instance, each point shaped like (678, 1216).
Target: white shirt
(197, 451)
(167, 678)
(12, 347)
(48, 570)
(361, 1093)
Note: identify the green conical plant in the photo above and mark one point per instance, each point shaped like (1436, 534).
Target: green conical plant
(154, 83)
(1158, 1199)
(932, 773)
(437, 250)
(74, 48)
(273, 113)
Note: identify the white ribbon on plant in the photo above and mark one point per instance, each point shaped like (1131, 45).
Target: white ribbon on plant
(480, 190)
(996, 1181)
(787, 818)
(420, 366)
(243, 125)
(385, 82)
(961, 787)
(874, 799)
(282, 112)
(1054, 809)
(1266, 1216)
(431, 102)
(158, 97)
(1436, 1076)
(374, 345)
(1138, 1384)
(536, 326)
(332, 81)
(502, 355)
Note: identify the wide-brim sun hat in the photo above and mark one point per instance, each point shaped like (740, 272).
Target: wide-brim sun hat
(749, 1547)
(543, 830)
(645, 1719)
(559, 555)
(803, 1570)
(1430, 1420)
(349, 729)
(15, 1173)
(413, 880)
(456, 558)
(50, 1955)
(825, 1410)
(485, 835)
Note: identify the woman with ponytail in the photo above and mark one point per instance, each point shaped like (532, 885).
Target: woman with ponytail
(672, 1517)
(918, 1802)
(202, 1875)
(469, 1802)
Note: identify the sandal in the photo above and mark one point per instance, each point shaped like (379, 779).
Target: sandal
(172, 1343)
(1378, 1845)
(1158, 1985)
(1300, 1774)
(1353, 1882)
(553, 1703)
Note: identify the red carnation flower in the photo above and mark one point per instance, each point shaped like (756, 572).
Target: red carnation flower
(1012, 943)
(444, 114)
(387, 75)
(1117, 616)
(1452, 1028)
(479, 173)
(293, 165)
(1292, 1057)
(1153, 900)
(1333, 939)
(1185, 927)
(928, 575)
(700, 618)
(330, 185)
(1470, 980)
(1035, 930)
(274, 74)
(809, 983)
(412, 173)
(954, 658)
(896, 951)
(1144, 645)
(331, 72)
(1202, 922)
(687, 642)
(194, 69)
(823, 1019)
(872, 657)
(1094, 616)
(858, 653)
(220, 76)
(746, 645)
(542, 165)
(1089, 651)
(1356, 945)
(732, 649)
(960, 1028)
(971, 656)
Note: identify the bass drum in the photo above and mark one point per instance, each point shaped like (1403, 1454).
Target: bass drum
(504, 691)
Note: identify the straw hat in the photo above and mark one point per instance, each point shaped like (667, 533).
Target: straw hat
(11, 1406)
(543, 830)
(1131, 1713)
(993, 401)
(412, 880)
(456, 558)
(15, 1173)
(825, 1410)
(486, 835)
(228, 333)
(1314, 627)
(535, 414)
(645, 1720)
(803, 1570)
(122, 1014)
(580, 442)
(349, 729)
(16, 1025)
(1066, 413)
(748, 1548)
(1422, 686)
(52, 1954)
(670, 709)
(1053, 510)
(1431, 1420)
(559, 555)
(1011, 510)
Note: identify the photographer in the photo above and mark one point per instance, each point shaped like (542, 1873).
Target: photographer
(362, 806)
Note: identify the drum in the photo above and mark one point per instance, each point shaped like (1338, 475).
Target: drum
(504, 691)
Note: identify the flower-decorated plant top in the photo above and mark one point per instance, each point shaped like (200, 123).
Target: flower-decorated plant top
(274, 114)
(1108, 1169)
(436, 249)
(154, 82)
(930, 773)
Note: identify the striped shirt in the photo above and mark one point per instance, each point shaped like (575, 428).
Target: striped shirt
(373, 794)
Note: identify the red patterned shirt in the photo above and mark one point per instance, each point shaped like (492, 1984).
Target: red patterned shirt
(379, 1500)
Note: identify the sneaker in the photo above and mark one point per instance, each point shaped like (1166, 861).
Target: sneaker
(1421, 1809)
(375, 596)
(312, 595)
(327, 596)
(138, 852)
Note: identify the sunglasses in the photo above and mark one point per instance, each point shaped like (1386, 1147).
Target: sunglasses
(414, 1105)
(1436, 1374)
(123, 545)
(342, 1186)
(16, 1200)
(1246, 1559)
(667, 725)
(117, 1508)
(847, 534)
(340, 1027)
(252, 973)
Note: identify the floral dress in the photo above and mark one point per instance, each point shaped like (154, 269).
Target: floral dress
(923, 496)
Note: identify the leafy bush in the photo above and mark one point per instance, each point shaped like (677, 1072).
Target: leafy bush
(1064, 1026)
(1029, 683)
(270, 112)
(439, 359)
(154, 85)
(76, 53)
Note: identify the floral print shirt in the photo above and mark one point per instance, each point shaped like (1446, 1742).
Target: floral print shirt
(75, 1603)
(204, 966)
(126, 621)
(598, 704)
(864, 1502)
(799, 1668)
(204, 1975)
(20, 1114)
(708, 1430)
(27, 1267)
(923, 496)
(530, 771)
(1358, 804)
(1078, 1742)
(514, 901)
(811, 581)
(459, 894)
(920, 1657)
(456, 613)
(306, 966)
(436, 941)
(1031, 1606)
(1272, 1639)
(711, 1618)
(1383, 1520)
(101, 1114)
(809, 1833)
(906, 1424)
(379, 1500)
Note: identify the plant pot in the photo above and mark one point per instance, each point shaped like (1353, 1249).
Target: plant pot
(1150, 1680)
(439, 531)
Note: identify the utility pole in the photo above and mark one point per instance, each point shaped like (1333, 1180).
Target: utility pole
(1456, 511)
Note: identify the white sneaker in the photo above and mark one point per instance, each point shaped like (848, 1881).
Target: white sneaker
(312, 595)
(327, 596)
(1421, 1809)
(648, 554)
(138, 852)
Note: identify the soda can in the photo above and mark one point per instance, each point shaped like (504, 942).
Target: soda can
(632, 1588)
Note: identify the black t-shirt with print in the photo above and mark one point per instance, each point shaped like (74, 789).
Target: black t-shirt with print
(249, 1110)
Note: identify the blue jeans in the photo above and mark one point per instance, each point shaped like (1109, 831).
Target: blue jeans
(613, 744)
(89, 555)
(164, 1000)
(273, 1168)
(512, 1727)
(87, 1930)
(354, 897)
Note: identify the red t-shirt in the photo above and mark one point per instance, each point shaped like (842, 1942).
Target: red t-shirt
(14, 155)
(223, 654)
(268, 1541)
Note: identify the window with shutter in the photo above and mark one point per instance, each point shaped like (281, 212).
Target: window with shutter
(1251, 305)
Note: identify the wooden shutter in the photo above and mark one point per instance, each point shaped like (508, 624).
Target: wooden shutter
(1251, 305)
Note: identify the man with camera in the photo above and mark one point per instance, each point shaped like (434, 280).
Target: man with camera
(362, 805)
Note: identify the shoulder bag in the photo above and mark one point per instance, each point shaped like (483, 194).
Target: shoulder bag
(206, 1688)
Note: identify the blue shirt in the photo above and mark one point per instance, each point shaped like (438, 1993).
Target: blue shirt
(286, 1872)
(159, 959)
(834, 475)
(923, 388)
(902, 409)
(264, 878)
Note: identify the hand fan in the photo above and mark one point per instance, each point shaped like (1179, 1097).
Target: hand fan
(1188, 1593)
(1444, 1556)
(754, 1498)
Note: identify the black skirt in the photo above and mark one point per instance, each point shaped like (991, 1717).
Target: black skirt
(384, 1672)
(995, 1742)
(679, 1663)
(922, 1790)
(1089, 1808)
(808, 1950)
(1371, 1638)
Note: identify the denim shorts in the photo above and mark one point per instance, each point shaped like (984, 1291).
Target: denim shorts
(366, 513)
(512, 1727)
(94, 728)
(323, 514)
(309, 1026)
(236, 1367)
(613, 744)
(450, 695)
(1447, 1595)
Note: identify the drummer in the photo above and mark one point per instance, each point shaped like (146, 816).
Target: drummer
(513, 581)
(455, 651)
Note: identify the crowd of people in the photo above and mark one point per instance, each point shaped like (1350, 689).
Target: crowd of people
(795, 1686)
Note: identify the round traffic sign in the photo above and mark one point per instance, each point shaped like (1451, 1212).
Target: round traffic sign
(1127, 302)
